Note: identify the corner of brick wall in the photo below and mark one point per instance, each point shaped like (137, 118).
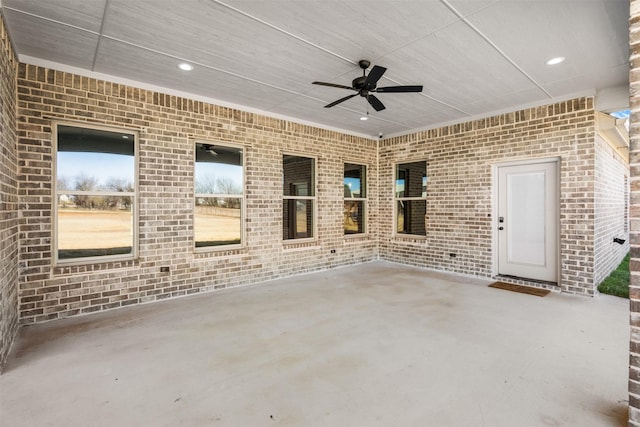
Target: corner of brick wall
(611, 208)
(634, 214)
(8, 196)
(460, 166)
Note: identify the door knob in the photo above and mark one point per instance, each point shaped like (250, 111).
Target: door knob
(500, 228)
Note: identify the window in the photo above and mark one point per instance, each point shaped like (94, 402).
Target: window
(355, 194)
(411, 198)
(95, 212)
(298, 207)
(219, 183)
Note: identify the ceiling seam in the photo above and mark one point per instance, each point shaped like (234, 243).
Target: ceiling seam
(55, 21)
(433, 99)
(495, 46)
(493, 43)
(100, 36)
(229, 73)
(422, 93)
(283, 31)
(239, 75)
(431, 33)
(168, 55)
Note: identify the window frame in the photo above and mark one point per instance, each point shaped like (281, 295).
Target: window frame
(233, 246)
(135, 205)
(314, 199)
(365, 206)
(396, 199)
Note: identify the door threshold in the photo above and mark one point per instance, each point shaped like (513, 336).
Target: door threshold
(527, 282)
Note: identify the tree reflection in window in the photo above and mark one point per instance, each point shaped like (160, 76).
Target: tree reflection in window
(218, 195)
(95, 193)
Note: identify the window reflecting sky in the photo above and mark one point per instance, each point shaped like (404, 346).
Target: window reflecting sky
(353, 184)
(102, 166)
(206, 171)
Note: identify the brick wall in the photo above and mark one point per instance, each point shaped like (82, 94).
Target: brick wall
(461, 161)
(8, 197)
(168, 126)
(611, 208)
(634, 214)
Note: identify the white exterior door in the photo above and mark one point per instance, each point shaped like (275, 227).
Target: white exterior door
(527, 223)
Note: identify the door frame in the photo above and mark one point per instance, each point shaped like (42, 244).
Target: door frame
(494, 210)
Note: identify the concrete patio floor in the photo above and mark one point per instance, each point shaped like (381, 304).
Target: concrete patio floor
(377, 344)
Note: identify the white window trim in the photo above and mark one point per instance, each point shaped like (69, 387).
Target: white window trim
(365, 224)
(135, 194)
(313, 198)
(396, 199)
(242, 198)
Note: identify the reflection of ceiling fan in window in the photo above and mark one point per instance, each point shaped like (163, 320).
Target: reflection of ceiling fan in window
(217, 153)
(365, 86)
(209, 149)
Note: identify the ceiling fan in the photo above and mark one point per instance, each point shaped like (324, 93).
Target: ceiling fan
(365, 86)
(209, 149)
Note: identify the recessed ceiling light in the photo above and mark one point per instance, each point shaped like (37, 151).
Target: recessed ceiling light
(364, 118)
(556, 60)
(185, 67)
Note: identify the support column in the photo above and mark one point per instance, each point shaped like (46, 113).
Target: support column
(634, 215)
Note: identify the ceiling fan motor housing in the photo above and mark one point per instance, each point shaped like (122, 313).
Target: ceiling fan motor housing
(358, 82)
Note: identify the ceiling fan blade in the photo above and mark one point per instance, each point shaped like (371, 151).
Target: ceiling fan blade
(374, 75)
(332, 85)
(375, 103)
(341, 100)
(398, 89)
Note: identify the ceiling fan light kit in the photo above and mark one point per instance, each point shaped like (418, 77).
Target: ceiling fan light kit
(366, 86)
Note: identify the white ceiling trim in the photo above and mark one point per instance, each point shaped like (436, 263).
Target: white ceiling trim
(101, 36)
(107, 77)
(587, 93)
(141, 85)
(265, 57)
(246, 78)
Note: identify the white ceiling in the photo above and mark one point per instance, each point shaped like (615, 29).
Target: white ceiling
(474, 57)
